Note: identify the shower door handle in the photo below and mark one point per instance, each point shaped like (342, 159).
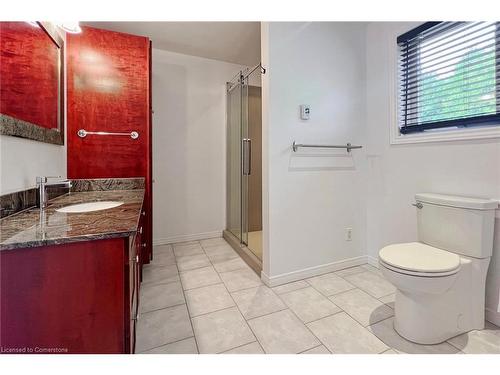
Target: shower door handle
(247, 156)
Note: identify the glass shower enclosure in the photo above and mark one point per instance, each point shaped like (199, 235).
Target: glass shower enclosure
(238, 158)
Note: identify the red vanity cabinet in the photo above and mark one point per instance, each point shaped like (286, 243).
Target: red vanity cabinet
(109, 90)
(80, 297)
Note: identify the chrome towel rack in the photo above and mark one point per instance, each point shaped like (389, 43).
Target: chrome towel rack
(348, 146)
(82, 133)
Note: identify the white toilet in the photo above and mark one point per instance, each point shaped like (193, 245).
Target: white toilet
(440, 280)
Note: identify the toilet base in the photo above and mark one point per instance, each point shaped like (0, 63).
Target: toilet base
(432, 319)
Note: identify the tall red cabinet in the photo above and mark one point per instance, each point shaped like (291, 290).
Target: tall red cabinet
(109, 90)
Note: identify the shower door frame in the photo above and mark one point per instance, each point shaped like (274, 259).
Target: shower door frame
(244, 157)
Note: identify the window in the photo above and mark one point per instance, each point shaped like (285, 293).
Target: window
(449, 76)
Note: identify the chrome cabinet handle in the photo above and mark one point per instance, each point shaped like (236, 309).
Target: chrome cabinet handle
(418, 205)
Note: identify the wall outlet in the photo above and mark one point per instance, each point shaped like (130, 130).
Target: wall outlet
(305, 112)
(348, 234)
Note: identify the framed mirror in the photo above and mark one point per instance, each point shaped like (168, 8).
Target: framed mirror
(32, 84)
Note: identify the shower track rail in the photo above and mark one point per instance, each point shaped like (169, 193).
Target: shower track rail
(348, 146)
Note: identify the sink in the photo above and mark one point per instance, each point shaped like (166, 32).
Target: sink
(89, 207)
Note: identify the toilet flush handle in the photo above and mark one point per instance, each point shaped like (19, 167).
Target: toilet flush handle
(418, 205)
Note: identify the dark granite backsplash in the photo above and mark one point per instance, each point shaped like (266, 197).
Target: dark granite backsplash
(101, 184)
(18, 201)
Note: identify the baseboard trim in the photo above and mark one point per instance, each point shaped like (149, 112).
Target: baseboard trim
(372, 261)
(493, 316)
(272, 281)
(187, 237)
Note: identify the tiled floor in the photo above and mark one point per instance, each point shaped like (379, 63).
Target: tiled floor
(200, 297)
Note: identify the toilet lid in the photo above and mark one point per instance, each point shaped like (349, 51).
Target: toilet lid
(418, 257)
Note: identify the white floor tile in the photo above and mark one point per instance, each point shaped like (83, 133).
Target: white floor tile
(187, 248)
(282, 332)
(477, 342)
(152, 274)
(162, 327)
(285, 288)
(330, 284)
(309, 304)
(221, 330)
(317, 350)
(159, 296)
(191, 262)
(384, 330)
(186, 346)
(342, 334)
(388, 300)
(362, 307)
(252, 348)
(257, 301)
(230, 265)
(350, 271)
(208, 299)
(199, 277)
(240, 279)
(371, 283)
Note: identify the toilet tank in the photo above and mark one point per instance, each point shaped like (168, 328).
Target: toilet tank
(460, 225)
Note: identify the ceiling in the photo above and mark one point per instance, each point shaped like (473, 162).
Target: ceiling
(235, 42)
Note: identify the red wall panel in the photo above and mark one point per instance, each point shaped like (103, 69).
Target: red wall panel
(108, 75)
(29, 63)
(108, 83)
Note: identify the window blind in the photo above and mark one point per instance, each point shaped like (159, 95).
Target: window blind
(449, 76)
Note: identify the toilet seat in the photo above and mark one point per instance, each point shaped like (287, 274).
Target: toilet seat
(418, 259)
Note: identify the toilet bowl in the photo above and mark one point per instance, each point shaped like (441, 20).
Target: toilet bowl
(440, 280)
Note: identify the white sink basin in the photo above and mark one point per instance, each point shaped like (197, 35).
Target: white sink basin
(89, 207)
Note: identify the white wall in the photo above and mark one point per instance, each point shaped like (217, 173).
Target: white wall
(311, 198)
(189, 143)
(21, 160)
(395, 173)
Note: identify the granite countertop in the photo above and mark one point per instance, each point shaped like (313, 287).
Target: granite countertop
(28, 229)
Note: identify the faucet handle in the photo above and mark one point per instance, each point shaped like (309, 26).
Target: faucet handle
(40, 179)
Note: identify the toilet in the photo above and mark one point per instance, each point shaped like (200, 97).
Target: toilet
(440, 279)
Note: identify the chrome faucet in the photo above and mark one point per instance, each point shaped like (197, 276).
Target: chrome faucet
(42, 183)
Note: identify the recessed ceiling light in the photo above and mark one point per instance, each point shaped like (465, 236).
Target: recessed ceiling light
(70, 27)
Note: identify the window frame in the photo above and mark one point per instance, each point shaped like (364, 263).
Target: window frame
(445, 131)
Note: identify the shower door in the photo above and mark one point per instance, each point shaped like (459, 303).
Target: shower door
(238, 159)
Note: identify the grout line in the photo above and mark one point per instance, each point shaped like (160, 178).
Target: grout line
(240, 346)
(342, 310)
(159, 346)
(155, 283)
(302, 352)
(278, 296)
(187, 308)
(215, 283)
(162, 308)
(245, 320)
(324, 317)
(281, 294)
(210, 312)
(192, 269)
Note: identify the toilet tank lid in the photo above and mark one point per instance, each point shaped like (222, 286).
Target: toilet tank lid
(457, 201)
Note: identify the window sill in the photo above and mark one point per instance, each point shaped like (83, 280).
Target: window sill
(444, 135)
